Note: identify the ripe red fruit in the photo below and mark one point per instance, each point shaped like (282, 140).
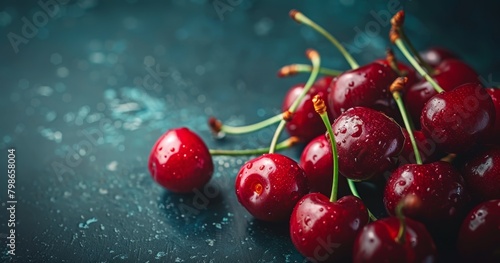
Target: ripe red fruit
(306, 124)
(436, 55)
(324, 231)
(479, 236)
(180, 161)
(368, 143)
(492, 135)
(378, 242)
(455, 119)
(438, 185)
(269, 186)
(427, 148)
(482, 175)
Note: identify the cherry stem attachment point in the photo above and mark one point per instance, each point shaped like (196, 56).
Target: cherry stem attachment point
(396, 87)
(354, 192)
(293, 69)
(280, 146)
(301, 18)
(312, 55)
(396, 39)
(408, 202)
(320, 108)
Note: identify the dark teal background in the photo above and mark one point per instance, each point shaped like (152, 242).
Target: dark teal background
(75, 107)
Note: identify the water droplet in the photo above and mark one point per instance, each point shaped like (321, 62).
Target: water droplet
(358, 130)
(249, 165)
(262, 167)
(307, 220)
(351, 84)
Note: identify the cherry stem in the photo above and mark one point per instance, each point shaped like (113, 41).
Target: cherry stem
(397, 22)
(396, 87)
(396, 39)
(354, 192)
(219, 129)
(280, 146)
(393, 63)
(409, 202)
(293, 69)
(301, 18)
(315, 60)
(320, 108)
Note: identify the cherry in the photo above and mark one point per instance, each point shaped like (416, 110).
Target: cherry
(270, 185)
(482, 175)
(428, 150)
(324, 231)
(449, 74)
(479, 236)
(455, 119)
(368, 142)
(317, 162)
(180, 161)
(305, 123)
(365, 86)
(438, 185)
(378, 242)
(436, 55)
(491, 136)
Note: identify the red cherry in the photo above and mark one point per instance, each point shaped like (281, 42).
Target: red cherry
(180, 161)
(482, 175)
(324, 231)
(455, 119)
(479, 236)
(438, 185)
(450, 74)
(368, 143)
(377, 242)
(365, 86)
(408, 71)
(317, 162)
(427, 148)
(436, 55)
(492, 135)
(306, 123)
(269, 186)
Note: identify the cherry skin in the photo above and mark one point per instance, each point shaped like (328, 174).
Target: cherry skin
(317, 162)
(306, 124)
(438, 185)
(450, 74)
(377, 242)
(491, 136)
(365, 86)
(324, 231)
(269, 186)
(479, 235)
(427, 148)
(436, 55)
(482, 175)
(368, 143)
(455, 119)
(180, 161)
(408, 71)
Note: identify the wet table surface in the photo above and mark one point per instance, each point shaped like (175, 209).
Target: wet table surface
(88, 86)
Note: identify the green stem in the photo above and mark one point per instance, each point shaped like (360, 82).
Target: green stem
(399, 43)
(404, 114)
(335, 182)
(400, 238)
(280, 146)
(252, 127)
(314, 74)
(299, 17)
(354, 192)
(417, 56)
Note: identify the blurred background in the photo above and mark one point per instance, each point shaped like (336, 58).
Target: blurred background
(88, 86)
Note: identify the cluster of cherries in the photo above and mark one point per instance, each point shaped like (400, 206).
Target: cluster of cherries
(430, 132)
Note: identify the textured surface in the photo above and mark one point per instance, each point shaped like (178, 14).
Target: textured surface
(85, 97)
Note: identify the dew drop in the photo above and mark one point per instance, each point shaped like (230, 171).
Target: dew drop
(262, 167)
(351, 84)
(249, 165)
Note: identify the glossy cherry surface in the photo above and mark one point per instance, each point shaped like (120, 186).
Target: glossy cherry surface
(365, 86)
(269, 186)
(306, 124)
(482, 175)
(449, 74)
(438, 185)
(479, 236)
(378, 242)
(455, 119)
(324, 231)
(492, 135)
(180, 161)
(368, 142)
(436, 55)
(407, 70)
